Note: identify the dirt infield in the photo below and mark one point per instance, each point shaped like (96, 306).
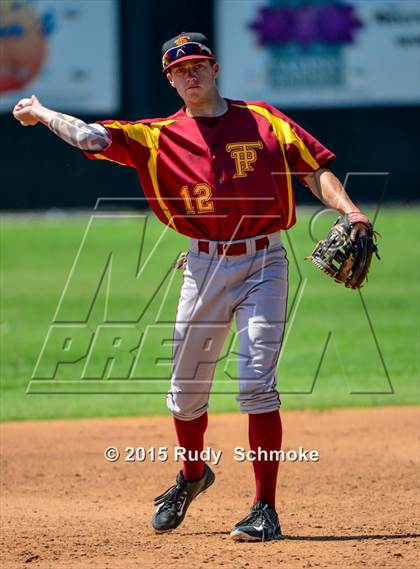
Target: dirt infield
(64, 506)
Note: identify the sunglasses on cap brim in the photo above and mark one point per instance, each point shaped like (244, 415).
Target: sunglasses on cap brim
(190, 49)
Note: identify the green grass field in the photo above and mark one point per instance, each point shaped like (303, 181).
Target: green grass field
(341, 348)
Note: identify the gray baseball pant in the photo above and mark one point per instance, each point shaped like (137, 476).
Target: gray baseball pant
(253, 288)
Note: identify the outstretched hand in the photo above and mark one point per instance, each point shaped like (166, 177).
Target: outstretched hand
(25, 111)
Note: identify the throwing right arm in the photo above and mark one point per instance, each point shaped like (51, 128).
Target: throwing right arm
(89, 137)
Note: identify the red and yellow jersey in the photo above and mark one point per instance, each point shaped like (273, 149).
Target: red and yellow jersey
(221, 178)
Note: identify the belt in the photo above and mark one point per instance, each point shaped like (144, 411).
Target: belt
(233, 248)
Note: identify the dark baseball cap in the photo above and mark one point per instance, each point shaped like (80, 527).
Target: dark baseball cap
(185, 46)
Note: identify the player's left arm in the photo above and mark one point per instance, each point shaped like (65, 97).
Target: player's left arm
(329, 190)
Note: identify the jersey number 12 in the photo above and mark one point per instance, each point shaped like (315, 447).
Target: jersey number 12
(203, 203)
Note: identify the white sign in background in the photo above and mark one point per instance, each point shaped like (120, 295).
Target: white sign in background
(381, 66)
(81, 69)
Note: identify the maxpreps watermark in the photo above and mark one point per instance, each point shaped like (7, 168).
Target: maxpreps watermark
(178, 453)
(98, 344)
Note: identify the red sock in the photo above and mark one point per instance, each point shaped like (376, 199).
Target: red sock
(265, 432)
(191, 436)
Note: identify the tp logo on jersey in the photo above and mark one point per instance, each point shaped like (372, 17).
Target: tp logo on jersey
(244, 154)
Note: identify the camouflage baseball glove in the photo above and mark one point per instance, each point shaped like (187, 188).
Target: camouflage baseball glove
(345, 255)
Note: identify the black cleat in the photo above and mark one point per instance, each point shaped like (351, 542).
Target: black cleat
(173, 504)
(261, 524)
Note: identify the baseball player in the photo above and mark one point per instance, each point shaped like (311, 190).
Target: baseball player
(218, 171)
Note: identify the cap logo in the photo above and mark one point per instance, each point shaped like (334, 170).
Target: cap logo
(180, 52)
(181, 40)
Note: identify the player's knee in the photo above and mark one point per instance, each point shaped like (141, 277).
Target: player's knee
(258, 370)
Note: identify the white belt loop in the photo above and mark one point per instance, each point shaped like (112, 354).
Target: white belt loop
(194, 246)
(212, 248)
(251, 247)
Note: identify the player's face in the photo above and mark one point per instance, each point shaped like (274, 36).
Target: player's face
(194, 79)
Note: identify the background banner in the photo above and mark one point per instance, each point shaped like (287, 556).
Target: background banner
(320, 53)
(59, 51)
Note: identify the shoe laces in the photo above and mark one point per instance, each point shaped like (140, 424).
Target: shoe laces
(257, 514)
(172, 497)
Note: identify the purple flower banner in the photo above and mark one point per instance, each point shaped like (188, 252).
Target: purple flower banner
(328, 23)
